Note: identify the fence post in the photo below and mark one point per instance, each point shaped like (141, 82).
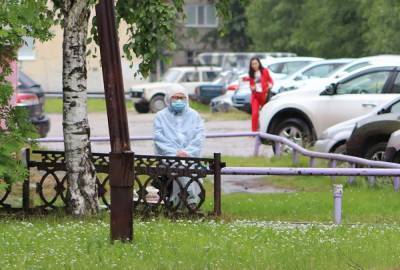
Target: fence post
(337, 201)
(311, 163)
(332, 164)
(295, 157)
(217, 184)
(396, 183)
(351, 179)
(25, 158)
(278, 150)
(257, 145)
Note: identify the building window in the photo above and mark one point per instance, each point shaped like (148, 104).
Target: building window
(200, 16)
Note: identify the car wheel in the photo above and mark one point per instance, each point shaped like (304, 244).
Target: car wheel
(296, 130)
(157, 103)
(376, 151)
(141, 107)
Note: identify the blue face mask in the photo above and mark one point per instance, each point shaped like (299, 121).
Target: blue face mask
(178, 106)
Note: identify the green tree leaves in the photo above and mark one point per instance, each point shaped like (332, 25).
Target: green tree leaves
(17, 19)
(325, 28)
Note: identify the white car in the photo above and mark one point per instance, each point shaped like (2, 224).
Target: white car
(344, 70)
(333, 139)
(304, 114)
(280, 68)
(318, 69)
(150, 96)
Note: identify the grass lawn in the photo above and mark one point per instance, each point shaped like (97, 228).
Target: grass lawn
(64, 243)
(54, 105)
(256, 231)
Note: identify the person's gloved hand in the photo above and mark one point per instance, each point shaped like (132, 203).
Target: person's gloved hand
(182, 153)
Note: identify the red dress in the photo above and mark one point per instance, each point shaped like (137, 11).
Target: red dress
(258, 99)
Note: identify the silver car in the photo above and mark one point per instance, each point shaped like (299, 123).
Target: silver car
(333, 139)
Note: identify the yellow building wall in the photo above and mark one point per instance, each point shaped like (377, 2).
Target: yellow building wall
(46, 67)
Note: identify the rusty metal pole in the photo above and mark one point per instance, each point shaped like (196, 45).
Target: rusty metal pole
(121, 157)
(217, 184)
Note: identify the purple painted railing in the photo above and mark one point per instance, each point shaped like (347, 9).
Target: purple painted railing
(371, 168)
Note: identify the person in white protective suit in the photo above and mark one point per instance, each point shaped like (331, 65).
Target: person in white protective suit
(179, 131)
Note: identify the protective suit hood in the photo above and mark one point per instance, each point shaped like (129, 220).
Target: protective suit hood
(173, 92)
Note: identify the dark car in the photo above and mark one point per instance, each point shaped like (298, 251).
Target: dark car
(204, 93)
(371, 135)
(30, 95)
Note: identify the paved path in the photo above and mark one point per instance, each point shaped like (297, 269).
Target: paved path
(248, 184)
(142, 124)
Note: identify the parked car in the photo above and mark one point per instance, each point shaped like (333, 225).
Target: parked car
(31, 96)
(333, 139)
(303, 115)
(222, 103)
(150, 96)
(369, 139)
(392, 151)
(322, 83)
(241, 61)
(238, 60)
(319, 69)
(279, 69)
(205, 92)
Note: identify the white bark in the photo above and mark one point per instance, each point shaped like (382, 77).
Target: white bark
(80, 169)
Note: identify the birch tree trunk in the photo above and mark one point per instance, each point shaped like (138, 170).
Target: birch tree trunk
(82, 192)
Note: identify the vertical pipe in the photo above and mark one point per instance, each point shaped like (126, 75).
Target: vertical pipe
(351, 179)
(257, 145)
(217, 184)
(396, 183)
(278, 149)
(337, 201)
(25, 157)
(295, 157)
(332, 164)
(312, 162)
(371, 180)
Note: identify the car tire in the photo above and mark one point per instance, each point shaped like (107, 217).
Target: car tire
(157, 103)
(296, 130)
(141, 107)
(376, 151)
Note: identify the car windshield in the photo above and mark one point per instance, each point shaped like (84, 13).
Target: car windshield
(171, 75)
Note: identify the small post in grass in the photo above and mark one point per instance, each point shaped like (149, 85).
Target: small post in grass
(337, 201)
(121, 158)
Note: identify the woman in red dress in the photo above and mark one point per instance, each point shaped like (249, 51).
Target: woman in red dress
(260, 83)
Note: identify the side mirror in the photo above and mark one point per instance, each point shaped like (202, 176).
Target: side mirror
(383, 111)
(330, 90)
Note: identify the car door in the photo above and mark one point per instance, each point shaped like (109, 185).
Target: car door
(190, 80)
(353, 97)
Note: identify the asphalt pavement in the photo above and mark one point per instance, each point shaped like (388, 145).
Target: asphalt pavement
(142, 125)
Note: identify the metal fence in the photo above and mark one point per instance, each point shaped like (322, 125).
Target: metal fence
(155, 178)
(348, 166)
